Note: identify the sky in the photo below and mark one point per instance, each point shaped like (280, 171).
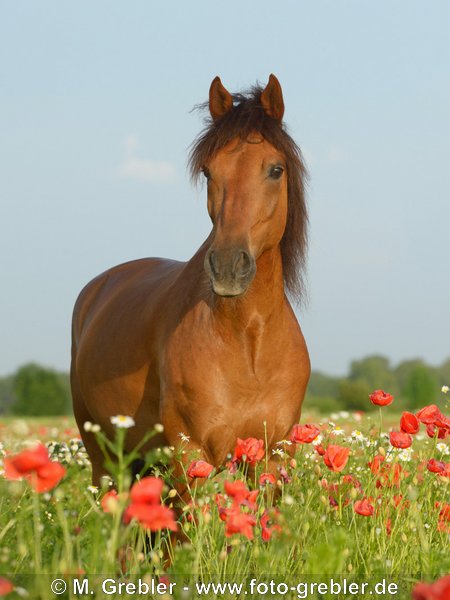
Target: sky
(96, 121)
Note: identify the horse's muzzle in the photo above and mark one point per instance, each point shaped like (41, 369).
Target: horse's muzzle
(231, 270)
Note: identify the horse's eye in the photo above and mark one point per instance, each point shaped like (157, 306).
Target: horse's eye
(276, 172)
(206, 172)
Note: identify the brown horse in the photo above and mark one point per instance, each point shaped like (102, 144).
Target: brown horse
(211, 347)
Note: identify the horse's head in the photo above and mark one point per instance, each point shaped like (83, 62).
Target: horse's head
(252, 168)
(247, 196)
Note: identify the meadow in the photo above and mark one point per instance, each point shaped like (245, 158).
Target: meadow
(358, 499)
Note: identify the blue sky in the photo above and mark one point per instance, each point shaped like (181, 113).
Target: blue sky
(95, 124)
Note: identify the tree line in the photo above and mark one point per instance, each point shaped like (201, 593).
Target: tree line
(413, 383)
(34, 390)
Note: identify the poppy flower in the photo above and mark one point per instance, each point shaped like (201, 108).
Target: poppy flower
(35, 466)
(5, 586)
(268, 525)
(267, 479)
(433, 430)
(381, 398)
(320, 450)
(409, 423)
(249, 450)
(109, 501)
(363, 507)
(375, 464)
(336, 457)
(438, 590)
(435, 466)
(146, 506)
(153, 517)
(239, 522)
(399, 439)
(388, 526)
(444, 514)
(147, 491)
(304, 434)
(428, 414)
(199, 468)
(237, 490)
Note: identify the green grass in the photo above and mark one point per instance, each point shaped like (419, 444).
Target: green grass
(65, 532)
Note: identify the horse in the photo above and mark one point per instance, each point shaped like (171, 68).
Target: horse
(209, 348)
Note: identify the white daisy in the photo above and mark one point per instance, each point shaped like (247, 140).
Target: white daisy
(122, 421)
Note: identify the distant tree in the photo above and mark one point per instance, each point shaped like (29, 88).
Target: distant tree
(6, 394)
(403, 371)
(322, 385)
(354, 395)
(39, 391)
(444, 373)
(375, 371)
(421, 387)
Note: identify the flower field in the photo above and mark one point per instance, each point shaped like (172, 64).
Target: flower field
(363, 498)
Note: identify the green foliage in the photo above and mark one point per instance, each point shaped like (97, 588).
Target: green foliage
(420, 386)
(375, 371)
(6, 394)
(39, 391)
(354, 395)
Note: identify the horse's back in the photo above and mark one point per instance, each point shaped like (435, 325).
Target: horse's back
(132, 284)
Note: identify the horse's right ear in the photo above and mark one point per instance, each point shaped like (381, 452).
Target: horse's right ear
(220, 99)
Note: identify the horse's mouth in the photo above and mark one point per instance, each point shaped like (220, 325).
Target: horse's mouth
(228, 291)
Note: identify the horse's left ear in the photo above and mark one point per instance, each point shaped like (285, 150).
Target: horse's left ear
(272, 99)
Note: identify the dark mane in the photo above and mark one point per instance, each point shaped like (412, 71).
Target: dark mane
(247, 116)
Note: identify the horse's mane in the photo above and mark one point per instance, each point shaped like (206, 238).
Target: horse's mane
(246, 117)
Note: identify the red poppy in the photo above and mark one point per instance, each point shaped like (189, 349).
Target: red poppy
(436, 466)
(199, 468)
(147, 491)
(320, 450)
(438, 590)
(336, 457)
(304, 434)
(237, 490)
(381, 398)
(363, 507)
(375, 464)
(444, 514)
(267, 479)
(433, 431)
(268, 524)
(428, 414)
(249, 450)
(399, 439)
(146, 506)
(35, 466)
(409, 423)
(388, 526)
(108, 501)
(239, 522)
(153, 517)
(5, 586)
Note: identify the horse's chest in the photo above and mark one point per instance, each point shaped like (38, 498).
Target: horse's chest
(224, 389)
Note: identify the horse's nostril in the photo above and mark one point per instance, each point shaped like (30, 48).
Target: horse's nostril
(212, 263)
(243, 264)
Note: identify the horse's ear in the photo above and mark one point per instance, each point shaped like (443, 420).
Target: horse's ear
(272, 99)
(220, 99)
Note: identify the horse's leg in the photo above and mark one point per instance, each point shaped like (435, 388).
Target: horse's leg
(94, 452)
